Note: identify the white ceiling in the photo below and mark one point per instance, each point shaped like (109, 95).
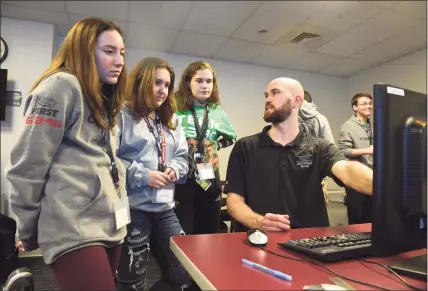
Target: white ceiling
(355, 35)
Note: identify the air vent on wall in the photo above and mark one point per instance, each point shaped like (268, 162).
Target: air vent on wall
(304, 37)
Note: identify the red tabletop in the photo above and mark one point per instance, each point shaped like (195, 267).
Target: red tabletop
(214, 261)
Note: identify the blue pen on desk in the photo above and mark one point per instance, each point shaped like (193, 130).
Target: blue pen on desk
(275, 273)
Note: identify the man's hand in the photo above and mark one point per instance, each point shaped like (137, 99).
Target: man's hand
(275, 222)
(243, 214)
(157, 179)
(370, 150)
(172, 177)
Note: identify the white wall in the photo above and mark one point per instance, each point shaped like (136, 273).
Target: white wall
(30, 53)
(242, 87)
(408, 72)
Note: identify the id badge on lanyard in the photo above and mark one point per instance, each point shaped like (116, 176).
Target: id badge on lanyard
(165, 194)
(160, 141)
(122, 213)
(205, 170)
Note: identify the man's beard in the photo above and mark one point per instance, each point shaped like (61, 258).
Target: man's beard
(278, 115)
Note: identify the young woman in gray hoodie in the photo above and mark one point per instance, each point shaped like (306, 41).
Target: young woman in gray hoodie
(153, 149)
(69, 184)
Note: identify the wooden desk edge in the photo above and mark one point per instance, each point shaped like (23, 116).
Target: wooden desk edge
(193, 271)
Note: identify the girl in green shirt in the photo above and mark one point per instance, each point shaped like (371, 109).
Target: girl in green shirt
(198, 98)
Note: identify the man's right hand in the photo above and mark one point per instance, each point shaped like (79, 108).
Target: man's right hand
(275, 222)
(370, 150)
(157, 179)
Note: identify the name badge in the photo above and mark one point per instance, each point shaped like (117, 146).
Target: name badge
(205, 184)
(121, 212)
(205, 171)
(164, 195)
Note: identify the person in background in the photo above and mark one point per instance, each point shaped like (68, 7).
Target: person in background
(154, 151)
(356, 142)
(316, 124)
(207, 129)
(274, 177)
(70, 187)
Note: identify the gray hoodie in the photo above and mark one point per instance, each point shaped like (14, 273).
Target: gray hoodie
(353, 135)
(59, 167)
(318, 123)
(138, 152)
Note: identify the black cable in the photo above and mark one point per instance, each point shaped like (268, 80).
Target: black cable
(393, 272)
(328, 269)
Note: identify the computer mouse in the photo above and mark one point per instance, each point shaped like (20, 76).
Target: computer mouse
(257, 237)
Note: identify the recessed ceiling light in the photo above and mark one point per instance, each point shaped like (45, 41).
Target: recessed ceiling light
(262, 31)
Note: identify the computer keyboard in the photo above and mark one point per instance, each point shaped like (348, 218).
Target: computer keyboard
(332, 248)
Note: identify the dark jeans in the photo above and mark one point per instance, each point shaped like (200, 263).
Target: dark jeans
(198, 210)
(151, 232)
(359, 207)
(88, 268)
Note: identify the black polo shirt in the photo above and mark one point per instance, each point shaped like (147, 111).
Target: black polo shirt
(283, 179)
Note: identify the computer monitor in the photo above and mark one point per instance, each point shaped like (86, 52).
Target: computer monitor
(400, 177)
(3, 92)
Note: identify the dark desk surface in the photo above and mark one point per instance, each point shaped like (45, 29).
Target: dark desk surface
(214, 262)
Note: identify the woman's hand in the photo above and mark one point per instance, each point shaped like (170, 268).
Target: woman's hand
(20, 246)
(157, 179)
(171, 175)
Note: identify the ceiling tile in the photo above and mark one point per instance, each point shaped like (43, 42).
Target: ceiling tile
(108, 9)
(197, 44)
(367, 33)
(44, 5)
(407, 41)
(277, 56)
(382, 3)
(278, 18)
(239, 50)
(25, 13)
(312, 62)
(122, 24)
(307, 44)
(160, 13)
(64, 28)
(346, 67)
(413, 8)
(219, 17)
(340, 16)
(150, 37)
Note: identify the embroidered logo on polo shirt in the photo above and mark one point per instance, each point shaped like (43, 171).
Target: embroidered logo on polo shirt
(304, 161)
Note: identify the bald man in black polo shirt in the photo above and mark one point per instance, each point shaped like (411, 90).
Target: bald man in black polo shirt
(274, 177)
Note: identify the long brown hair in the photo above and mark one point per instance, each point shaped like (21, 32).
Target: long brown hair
(76, 56)
(139, 91)
(184, 94)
